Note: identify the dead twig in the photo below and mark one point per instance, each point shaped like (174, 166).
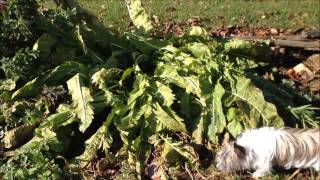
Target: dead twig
(188, 171)
(293, 174)
(200, 174)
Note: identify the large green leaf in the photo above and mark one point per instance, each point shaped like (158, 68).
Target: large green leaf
(169, 119)
(133, 118)
(99, 78)
(141, 151)
(142, 154)
(140, 85)
(135, 107)
(86, 50)
(171, 75)
(217, 121)
(30, 88)
(235, 118)
(199, 131)
(245, 91)
(45, 44)
(272, 92)
(56, 76)
(58, 119)
(165, 92)
(82, 100)
(198, 50)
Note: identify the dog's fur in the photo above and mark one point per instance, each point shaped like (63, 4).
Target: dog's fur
(261, 149)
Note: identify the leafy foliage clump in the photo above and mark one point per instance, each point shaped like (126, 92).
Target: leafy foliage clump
(129, 96)
(16, 22)
(32, 164)
(20, 64)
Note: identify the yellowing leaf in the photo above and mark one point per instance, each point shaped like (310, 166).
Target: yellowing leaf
(7, 85)
(138, 15)
(18, 135)
(198, 31)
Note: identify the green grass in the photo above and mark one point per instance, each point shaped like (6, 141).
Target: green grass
(291, 14)
(279, 14)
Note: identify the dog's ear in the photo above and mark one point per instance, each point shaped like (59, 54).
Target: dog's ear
(226, 140)
(239, 150)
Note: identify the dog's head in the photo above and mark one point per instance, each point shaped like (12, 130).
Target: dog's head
(231, 157)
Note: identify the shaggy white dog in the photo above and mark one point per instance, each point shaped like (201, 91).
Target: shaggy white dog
(261, 149)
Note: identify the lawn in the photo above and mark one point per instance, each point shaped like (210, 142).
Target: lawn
(285, 14)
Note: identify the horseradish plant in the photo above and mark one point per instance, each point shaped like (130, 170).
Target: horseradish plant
(131, 94)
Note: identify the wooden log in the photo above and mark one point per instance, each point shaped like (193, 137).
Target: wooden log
(315, 33)
(299, 44)
(290, 41)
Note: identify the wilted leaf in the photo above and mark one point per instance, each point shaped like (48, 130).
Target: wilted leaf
(184, 150)
(18, 135)
(101, 139)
